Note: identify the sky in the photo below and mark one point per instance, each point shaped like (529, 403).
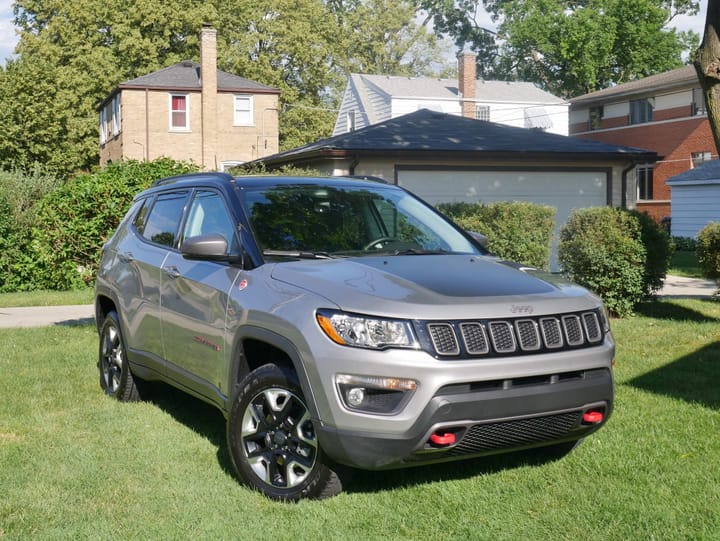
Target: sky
(8, 38)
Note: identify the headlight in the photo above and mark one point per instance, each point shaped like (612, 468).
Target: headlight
(366, 331)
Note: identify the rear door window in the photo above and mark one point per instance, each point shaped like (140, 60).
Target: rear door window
(161, 224)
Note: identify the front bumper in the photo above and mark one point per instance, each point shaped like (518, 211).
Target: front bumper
(487, 418)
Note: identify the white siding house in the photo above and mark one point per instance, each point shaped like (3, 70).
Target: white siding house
(369, 99)
(695, 199)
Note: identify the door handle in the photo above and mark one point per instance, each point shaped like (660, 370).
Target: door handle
(172, 272)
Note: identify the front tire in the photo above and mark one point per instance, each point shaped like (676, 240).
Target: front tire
(272, 440)
(116, 379)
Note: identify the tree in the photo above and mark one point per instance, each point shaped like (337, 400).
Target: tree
(572, 47)
(707, 65)
(72, 54)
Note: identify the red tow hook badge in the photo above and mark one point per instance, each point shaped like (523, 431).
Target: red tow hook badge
(442, 439)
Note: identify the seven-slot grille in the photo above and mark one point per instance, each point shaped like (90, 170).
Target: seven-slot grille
(514, 336)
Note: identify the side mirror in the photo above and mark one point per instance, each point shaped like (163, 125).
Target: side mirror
(479, 238)
(207, 247)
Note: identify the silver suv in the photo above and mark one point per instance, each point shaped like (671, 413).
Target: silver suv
(338, 321)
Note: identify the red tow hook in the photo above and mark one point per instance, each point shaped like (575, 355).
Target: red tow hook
(593, 417)
(446, 438)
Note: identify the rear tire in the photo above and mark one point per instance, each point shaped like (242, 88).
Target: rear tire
(272, 440)
(116, 379)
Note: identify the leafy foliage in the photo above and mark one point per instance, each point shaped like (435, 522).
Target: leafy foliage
(20, 192)
(73, 54)
(516, 231)
(601, 248)
(569, 47)
(708, 250)
(659, 249)
(75, 220)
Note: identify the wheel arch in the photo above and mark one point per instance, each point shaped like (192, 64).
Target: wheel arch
(256, 347)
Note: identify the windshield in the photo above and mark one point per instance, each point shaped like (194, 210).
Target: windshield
(305, 220)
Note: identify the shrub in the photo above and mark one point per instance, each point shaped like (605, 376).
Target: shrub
(708, 250)
(75, 220)
(517, 231)
(601, 249)
(659, 250)
(685, 244)
(20, 193)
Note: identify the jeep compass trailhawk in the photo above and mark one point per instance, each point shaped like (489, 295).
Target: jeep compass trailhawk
(338, 321)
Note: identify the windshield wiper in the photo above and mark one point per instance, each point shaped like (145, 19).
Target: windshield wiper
(299, 254)
(417, 251)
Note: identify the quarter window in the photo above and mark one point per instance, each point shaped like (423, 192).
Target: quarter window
(179, 117)
(243, 111)
(163, 221)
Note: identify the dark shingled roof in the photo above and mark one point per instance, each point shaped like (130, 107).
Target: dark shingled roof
(186, 76)
(431, 131)
(706, 171)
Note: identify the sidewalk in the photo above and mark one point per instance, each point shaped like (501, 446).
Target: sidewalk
(679, 287)
(46, 315)
(675, 287)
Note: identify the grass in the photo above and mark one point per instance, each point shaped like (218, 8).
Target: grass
(77, 465)
(684, 263)
(46, 298)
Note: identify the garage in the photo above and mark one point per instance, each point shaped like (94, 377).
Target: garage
(563, 190)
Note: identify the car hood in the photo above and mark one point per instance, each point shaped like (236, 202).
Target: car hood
(430, 286)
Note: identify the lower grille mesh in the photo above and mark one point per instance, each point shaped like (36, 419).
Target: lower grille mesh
(508, 434)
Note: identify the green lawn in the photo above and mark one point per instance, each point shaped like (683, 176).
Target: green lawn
(46, 298)
(77, 465)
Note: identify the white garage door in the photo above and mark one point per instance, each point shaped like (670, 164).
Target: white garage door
(564, 190)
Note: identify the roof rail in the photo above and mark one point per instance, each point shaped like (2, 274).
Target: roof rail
(367, 177)
(192, 176)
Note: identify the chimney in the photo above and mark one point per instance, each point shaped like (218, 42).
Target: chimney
(467, 82)
(208, 82)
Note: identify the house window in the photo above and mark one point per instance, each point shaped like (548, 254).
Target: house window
(116, 122)
(179, 117)
(482, 112)
(644, 175)
(103, 126)
(698, 158)
(244, 111)
(698, 102)
(596, 115)
(350, 119)
(640, 111)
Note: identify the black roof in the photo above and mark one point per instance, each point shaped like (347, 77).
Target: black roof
(430, 131)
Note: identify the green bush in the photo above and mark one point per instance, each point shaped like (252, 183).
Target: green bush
(20, 193)
(516, 231)
(601, 249)
(685, 244)
(75, 220)
(708, 250)
(659, 250)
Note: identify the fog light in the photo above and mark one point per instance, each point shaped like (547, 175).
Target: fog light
(355, 396)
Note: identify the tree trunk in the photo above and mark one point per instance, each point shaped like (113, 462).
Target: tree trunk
(707, 65)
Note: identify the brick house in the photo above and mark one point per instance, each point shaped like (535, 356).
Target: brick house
(664, 113)
(192, 112)
(370, 99)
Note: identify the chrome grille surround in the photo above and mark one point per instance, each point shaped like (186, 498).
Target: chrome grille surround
(501, 337)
